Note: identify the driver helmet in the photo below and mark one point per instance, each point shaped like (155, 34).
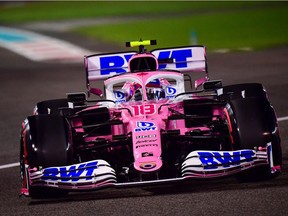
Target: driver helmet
(154, 90)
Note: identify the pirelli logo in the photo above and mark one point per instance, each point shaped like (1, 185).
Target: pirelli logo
(146, 136)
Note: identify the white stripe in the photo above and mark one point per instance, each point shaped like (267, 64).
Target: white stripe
(245, 49)
(9, 165)
(285, 118)
(222, 50)
(38, 47)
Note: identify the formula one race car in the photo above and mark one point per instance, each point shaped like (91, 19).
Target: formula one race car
(146, 128)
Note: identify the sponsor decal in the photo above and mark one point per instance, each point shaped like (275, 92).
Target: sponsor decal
(112, 64)
(119, 97)
(146, 145)
(179, 56)
(170, 92)
(146, 141)
(146, 136)
(73, 173)
(147, 154)
(148, 165)
(143, 126)
(211, 160)
(144, 109)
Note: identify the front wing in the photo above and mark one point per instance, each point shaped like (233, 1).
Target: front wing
(97, 174)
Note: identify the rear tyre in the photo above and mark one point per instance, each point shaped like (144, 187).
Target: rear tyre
(45, 143)
(254, 124)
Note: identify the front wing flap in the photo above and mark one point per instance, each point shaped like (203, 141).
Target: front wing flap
(197, 165)
(209, 164)
(86, 175)
(212, 164)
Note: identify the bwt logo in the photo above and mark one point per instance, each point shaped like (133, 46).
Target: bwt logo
(179, 57)
(145, 126)
(170, 91)
(211, 160)
(73, 173)
(119, 96)
(142, 124)
(115, 63)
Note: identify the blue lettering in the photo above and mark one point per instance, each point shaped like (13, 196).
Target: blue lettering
(210, 160)
(90, 167)
(207, 160)
(111, 64)
(50, 174)
(180, 57)
(248, 154)
(163, 55)
(226, 160)
(127, 57)
(115, 64)
(145, 129)
(66, 175)
(73, 173)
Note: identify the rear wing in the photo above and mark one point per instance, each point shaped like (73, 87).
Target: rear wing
(103, 66)
(184, 59)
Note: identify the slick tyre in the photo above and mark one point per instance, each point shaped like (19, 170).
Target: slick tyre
(45, 142)
(253, 125)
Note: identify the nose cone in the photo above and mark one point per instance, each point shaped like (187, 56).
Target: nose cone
(148, 164)
(146, 145)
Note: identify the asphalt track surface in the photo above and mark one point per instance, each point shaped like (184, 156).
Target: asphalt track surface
(24, 82)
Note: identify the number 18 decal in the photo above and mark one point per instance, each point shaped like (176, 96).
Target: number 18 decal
(147, 109)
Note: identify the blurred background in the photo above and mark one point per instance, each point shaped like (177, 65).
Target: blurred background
(218, 25)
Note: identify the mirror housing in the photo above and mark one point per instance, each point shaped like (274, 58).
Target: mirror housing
(213, 84)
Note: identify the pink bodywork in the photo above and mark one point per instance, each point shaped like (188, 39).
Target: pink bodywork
(144, 121)
(148, 117)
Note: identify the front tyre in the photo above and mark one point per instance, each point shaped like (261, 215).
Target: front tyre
(45, 142)
(253, 126)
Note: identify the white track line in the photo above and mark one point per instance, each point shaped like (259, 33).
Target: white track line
(38, 47)
(9, 165)
(285, 118)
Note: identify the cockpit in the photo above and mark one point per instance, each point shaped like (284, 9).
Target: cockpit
(155, 90)
(141, 86)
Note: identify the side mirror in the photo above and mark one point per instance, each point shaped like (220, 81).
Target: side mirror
(199, 82)
(211, 85)
(76, 99)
